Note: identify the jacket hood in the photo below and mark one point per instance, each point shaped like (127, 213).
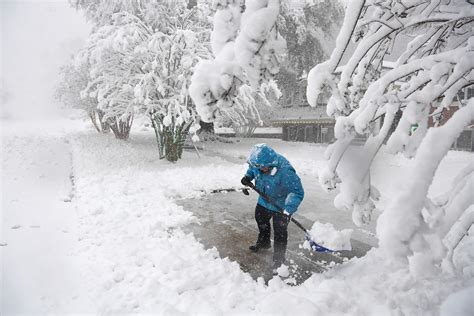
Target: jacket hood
(262, 156)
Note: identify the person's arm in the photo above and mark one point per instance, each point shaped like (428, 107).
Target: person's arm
(249, 175)
(296, 195)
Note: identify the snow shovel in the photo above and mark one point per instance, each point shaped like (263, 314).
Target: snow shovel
(315, 246)
(245, 191)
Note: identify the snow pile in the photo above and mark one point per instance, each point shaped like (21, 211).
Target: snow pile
(326, 235)
(283, 271)
(139, 258)
(459, 303)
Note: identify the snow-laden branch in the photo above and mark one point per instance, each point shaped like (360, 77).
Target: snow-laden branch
(371, 37)
(322, 74)
(458, 231)
(248, 51)
(454, 202)
(401, 227)
(376, 97)
(368, 100)
(454, 64)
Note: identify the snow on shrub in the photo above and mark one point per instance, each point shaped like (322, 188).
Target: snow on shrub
(141, 61)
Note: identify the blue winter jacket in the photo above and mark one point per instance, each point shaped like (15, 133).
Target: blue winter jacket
(282, 185)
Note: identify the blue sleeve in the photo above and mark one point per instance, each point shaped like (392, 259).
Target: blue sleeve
(251, 172)
(296, 195)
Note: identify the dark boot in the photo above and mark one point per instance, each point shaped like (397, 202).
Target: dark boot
(260, 245)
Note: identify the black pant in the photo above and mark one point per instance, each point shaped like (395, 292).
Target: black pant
(280, 232)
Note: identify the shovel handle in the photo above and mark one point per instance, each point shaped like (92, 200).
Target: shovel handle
(266, 198)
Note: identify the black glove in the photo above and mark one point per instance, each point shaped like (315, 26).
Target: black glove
(246, 181)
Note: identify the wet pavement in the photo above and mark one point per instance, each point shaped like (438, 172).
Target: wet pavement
(226, 222)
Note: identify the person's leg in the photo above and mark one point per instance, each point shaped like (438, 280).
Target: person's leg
(280, 228)
(262, 217)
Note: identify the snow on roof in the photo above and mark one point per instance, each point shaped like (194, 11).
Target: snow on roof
(303, 113)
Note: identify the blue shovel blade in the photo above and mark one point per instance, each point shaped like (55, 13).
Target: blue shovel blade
(317, 247)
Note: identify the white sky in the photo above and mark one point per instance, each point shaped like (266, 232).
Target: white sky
(37, 37)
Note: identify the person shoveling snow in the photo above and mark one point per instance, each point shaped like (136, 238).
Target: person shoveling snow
(279, 184)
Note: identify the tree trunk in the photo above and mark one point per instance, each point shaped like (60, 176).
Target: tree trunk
(121, 128)
(96, 117)
(105, 128)
(244, 131)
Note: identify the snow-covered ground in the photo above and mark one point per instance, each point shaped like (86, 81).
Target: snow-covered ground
(40, 269)
(118, 245)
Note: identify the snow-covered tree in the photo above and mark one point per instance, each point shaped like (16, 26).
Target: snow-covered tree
(155, 13)
(248, 51)
(74, 79)
(310, 32)
(141, 63)
(100, 12)
(437, 63)
(110, 52)
(162, 87)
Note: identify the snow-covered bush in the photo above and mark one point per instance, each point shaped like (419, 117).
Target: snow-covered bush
(110, 51)
(74, 79)
(248, 51)
(163, 85)
(101, 12)
(436, 63)
(141, 63)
